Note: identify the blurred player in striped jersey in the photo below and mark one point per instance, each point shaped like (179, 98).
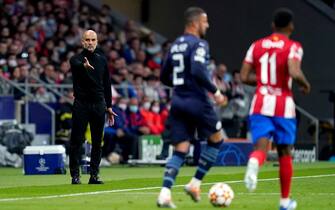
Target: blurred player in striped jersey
(276, 60)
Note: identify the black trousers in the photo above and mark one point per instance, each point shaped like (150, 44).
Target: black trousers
(84, 113)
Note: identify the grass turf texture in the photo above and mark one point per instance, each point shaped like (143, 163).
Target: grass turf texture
(313, 193)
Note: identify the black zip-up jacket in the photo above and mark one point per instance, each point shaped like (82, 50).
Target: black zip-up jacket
(91, 85)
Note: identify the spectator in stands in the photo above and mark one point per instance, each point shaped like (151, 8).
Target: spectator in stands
(157, 125)
(131, 30)
(141, 57)
(151, 89)
(238, 95)
(137, 124)
(239, 103)
(145, 105)
(3, 50)
(16, 77)
(117, 75)
(105, 15)
(126, 88)
(4, 68)
(134, 46)
(151, 45)
(33, 60)
(153, 116)
(64, 120)
(155, 61)
(48, 76)
(44, 96)
(138, 84)
(137, 69)
(65, 73)
(4, 88)
(118, 138)
(221, 78)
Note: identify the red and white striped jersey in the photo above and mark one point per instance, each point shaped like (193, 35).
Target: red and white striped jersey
(269, 57)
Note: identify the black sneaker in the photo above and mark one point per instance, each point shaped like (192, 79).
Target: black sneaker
(95, 180)
(76, 180)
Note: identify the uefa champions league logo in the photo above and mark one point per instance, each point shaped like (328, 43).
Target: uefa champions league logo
(42, 167)
(42, 162)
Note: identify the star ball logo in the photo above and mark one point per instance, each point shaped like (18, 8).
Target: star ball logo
(42, 162)
(42, 167)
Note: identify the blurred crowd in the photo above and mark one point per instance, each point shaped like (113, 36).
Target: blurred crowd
(37, 39)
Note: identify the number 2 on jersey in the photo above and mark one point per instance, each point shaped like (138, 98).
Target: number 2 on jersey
(178, 69)
(265, 60)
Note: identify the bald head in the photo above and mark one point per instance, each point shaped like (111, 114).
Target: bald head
(89, 40)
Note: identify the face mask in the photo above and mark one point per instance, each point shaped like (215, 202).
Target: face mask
(155, 109)
(211, 67)
(227, 78)
(146, 105)
(12, 63)
(123, 106)
(61, 50)
(51, 22)
(158, 60)
(133, 108)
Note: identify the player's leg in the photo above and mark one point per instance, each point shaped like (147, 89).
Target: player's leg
(285, 176)
(181, 131)
(256, 160)
(171, 171)
(285, 138)
(209, 126)
(261, 128)
(207, 158)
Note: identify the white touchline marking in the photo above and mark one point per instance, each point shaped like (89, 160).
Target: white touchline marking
(140, 189)
(236, 193)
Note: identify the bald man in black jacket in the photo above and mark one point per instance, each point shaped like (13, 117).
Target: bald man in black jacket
(92, 92)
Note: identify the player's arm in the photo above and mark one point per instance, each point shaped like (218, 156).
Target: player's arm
(166, 72)
(199, 68)
(248, 76)
(294, 68)
(200, 72)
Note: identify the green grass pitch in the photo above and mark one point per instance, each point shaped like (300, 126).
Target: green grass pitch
(136, 188)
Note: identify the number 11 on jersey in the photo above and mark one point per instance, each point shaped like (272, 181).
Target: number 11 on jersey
(265, 60)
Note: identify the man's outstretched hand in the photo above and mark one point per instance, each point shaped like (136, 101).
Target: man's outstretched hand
(87, 64)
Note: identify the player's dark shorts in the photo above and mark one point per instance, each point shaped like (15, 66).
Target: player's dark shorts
(188, 115)
(280, 130)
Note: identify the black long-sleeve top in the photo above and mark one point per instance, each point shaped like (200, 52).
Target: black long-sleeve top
(91, 85)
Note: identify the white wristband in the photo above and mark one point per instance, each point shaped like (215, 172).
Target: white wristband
(217, 93)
